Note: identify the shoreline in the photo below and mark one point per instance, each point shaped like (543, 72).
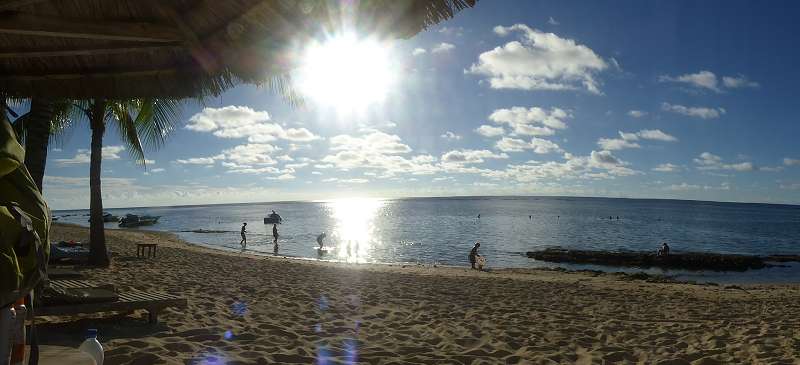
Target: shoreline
(759, 276)
(250, 309)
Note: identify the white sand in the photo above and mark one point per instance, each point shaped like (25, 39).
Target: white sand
(298, 311)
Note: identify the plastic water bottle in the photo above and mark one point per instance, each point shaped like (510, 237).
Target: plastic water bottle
(92, 347)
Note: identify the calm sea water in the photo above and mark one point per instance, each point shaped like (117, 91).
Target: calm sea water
(443, 230)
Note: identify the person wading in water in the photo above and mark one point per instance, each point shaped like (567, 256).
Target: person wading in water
(243, 242)
(473, 255)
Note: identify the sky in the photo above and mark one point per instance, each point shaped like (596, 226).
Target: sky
(656, 99)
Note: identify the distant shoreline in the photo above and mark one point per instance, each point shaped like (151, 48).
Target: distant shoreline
(456, 197)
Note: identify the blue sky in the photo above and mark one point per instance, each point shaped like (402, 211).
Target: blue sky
(668, 99)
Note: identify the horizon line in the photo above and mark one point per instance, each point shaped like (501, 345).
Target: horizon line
(439, 197)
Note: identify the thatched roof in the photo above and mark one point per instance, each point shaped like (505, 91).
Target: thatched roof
(178, 48)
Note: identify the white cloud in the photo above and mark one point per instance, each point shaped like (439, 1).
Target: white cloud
(457, 31)
(243, 122)
(489, 131)
(552, 21)
(683, 187)
(450, 136)
(626, 140)
(460, 157)
(703, 80)
(375, 142)
(637, 113)
(346, 181)
(791, 161)
(296, 165)
(698, 112)
(199, 160)
(282, 177)
(666, 167)
(83, 182)
(298, 135)
(112, 152)
(537, 145)
(709, 161)
(598, 165)
(251, 158)
(539, 61)
(522, 120)
(157, 170)
(250, 154)
(72, 193)
(656, 134)
(376, 150)
(614, 144)
(738, 82)
(418, 51)
(83, 156)
(443, 47)
(689, 187)
(708, 80)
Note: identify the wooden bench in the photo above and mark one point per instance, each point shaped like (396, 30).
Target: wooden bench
(141, 246)
(127, 302)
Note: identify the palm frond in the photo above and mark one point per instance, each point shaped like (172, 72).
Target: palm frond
(283, 85)
(24, 103)
(156, 120)
(120, 113)
(19, 127)
(65, 115)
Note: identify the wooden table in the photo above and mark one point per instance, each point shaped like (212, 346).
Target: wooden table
(151, 247)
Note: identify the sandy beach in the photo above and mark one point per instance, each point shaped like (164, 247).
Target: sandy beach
(259, 310)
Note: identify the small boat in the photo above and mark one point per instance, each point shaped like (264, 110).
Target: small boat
(133, 220)
(273, 218)
(108, 217)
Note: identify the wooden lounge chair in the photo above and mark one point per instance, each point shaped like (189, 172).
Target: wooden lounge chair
(57, 273)
(127, 302)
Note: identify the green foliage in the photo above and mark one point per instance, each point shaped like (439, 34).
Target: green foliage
(142, 124)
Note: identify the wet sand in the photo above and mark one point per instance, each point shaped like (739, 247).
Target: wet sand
(258, 310)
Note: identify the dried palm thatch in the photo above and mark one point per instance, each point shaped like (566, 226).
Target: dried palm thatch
(180, 48)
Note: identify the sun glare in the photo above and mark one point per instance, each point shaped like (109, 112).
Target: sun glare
(354, 227)
(346, 72)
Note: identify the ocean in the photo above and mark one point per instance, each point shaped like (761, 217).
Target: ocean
(443, 230)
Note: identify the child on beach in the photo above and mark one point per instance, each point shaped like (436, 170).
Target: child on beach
(473, 255)
(243, 242)
(664, 250)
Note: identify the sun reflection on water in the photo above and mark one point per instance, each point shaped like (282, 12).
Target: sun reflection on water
(354, 227)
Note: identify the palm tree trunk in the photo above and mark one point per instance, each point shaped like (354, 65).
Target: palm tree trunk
(98, 255)
(37, 137)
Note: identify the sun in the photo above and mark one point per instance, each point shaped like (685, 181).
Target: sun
(346, 72)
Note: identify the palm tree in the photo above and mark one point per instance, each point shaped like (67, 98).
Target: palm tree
(154, 120)
(42, 124)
